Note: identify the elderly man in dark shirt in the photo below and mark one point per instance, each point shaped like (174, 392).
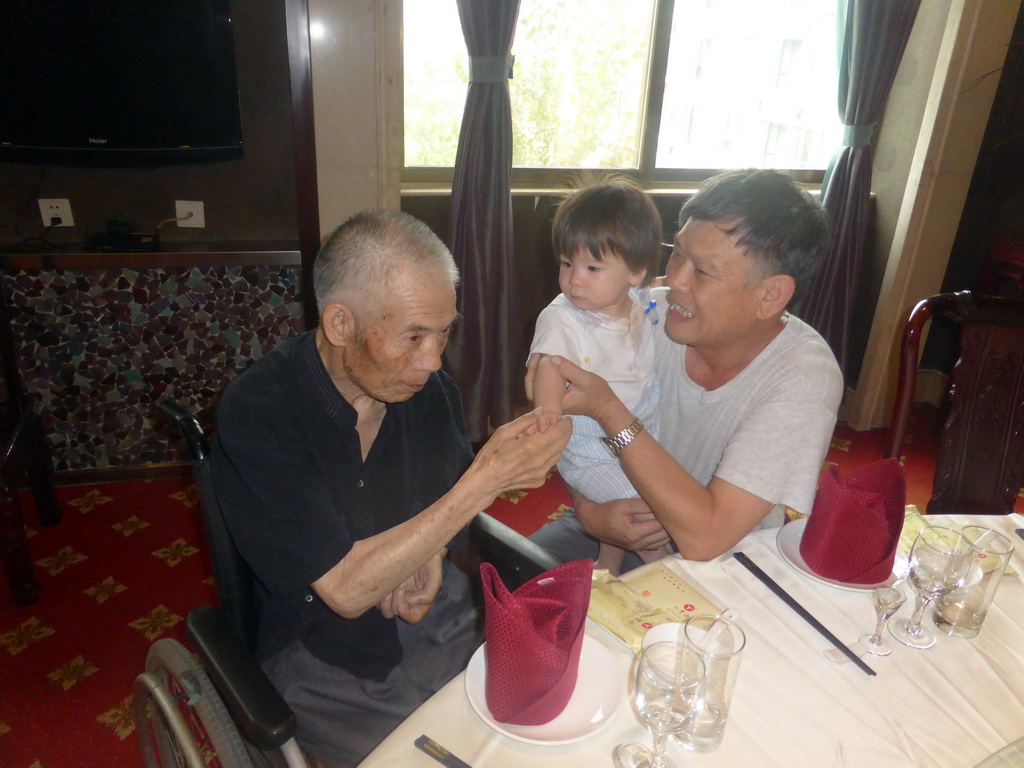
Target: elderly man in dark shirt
(343, 467)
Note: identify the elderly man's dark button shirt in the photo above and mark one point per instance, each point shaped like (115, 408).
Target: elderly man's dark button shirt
(289, 474)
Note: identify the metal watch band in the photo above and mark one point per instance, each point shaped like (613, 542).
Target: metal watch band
(623, 438)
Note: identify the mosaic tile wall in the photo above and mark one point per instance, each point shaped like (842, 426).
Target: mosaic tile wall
(98, 347)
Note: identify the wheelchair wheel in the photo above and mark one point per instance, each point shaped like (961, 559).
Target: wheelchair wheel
(177, 707)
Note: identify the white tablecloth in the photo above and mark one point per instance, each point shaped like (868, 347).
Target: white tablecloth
(950, 706)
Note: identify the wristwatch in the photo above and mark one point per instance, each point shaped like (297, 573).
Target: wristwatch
(624, 438)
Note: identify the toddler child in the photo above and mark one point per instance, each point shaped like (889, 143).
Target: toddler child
(607, 239)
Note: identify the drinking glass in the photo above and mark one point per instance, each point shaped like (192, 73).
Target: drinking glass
(939, 560)
(669, 690)
(962, 611)
(887, 600)
(719, 641)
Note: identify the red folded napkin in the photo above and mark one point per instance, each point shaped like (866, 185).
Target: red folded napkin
(854, 530)
(534, 637)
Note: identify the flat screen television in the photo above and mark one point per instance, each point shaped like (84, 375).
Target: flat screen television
(117, 82)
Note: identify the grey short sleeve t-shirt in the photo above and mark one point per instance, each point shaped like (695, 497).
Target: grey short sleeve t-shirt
(767, 430)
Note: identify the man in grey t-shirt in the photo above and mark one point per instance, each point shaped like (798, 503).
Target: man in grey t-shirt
(749, 392)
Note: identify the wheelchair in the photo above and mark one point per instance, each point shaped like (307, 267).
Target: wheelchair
(225, 711)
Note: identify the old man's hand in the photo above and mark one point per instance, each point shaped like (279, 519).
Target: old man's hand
(506, 463)
(413, 598)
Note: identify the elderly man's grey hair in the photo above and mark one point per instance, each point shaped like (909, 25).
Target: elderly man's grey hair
(358, 262)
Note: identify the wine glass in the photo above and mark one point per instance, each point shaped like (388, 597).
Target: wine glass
(669, 692)
(939, 559)
(887, 600)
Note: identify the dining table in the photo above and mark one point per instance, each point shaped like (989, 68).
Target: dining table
(951, 706)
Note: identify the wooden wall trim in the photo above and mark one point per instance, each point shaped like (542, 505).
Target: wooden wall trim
(304, 147)
(229, 258)
(121, 474)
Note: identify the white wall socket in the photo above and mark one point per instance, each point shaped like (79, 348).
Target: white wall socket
(56, 207)
(186, 207)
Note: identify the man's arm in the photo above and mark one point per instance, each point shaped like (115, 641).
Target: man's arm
(703, 522)
(377, 565)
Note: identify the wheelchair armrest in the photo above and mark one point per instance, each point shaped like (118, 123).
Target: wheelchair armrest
(515, 557)
(187, 425)
(256, 706)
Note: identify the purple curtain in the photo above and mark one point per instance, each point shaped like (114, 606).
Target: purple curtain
(872, 37)
(484, 351)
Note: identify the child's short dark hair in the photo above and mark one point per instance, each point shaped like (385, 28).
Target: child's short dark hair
(611, 216)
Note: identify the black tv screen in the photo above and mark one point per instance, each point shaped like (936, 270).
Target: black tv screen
(117, 82)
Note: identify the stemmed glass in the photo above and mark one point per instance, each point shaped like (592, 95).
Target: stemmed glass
(669, 692)
(939, 559)
(887, 600)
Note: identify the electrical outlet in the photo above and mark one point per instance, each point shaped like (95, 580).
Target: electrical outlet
(56, 208)
(191, 208)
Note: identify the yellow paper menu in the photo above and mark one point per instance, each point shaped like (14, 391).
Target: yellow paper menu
(913, 522)
(663, 587)
(642, 599)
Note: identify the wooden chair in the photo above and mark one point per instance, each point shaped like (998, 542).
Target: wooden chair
(24, 454)
(980, 465)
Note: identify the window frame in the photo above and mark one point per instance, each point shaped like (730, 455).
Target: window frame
(421, 177)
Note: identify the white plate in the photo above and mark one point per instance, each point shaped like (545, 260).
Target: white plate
(600, 689)
(788, 542)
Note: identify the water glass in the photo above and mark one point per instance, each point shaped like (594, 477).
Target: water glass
(939, 558)
(962, 611)
(719, 642)
(668, 691)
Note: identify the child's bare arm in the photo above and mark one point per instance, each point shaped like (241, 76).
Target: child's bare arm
(548, 387)
(548, 390)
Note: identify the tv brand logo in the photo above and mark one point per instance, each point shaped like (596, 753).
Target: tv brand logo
(97, 141)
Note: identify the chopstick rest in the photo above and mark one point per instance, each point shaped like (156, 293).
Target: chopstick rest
(769, 582)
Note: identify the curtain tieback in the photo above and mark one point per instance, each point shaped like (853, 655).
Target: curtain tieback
(858, 135)
(490, 69)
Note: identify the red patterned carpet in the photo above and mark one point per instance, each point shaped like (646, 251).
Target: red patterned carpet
(121, 569)
(127, 563)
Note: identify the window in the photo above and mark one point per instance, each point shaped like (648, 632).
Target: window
(736, 83)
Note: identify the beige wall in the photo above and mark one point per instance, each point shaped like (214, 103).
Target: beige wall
(893, 153)
(357, 95)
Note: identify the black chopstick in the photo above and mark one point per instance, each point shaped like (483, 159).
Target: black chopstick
(769, 582)
(439, 753)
